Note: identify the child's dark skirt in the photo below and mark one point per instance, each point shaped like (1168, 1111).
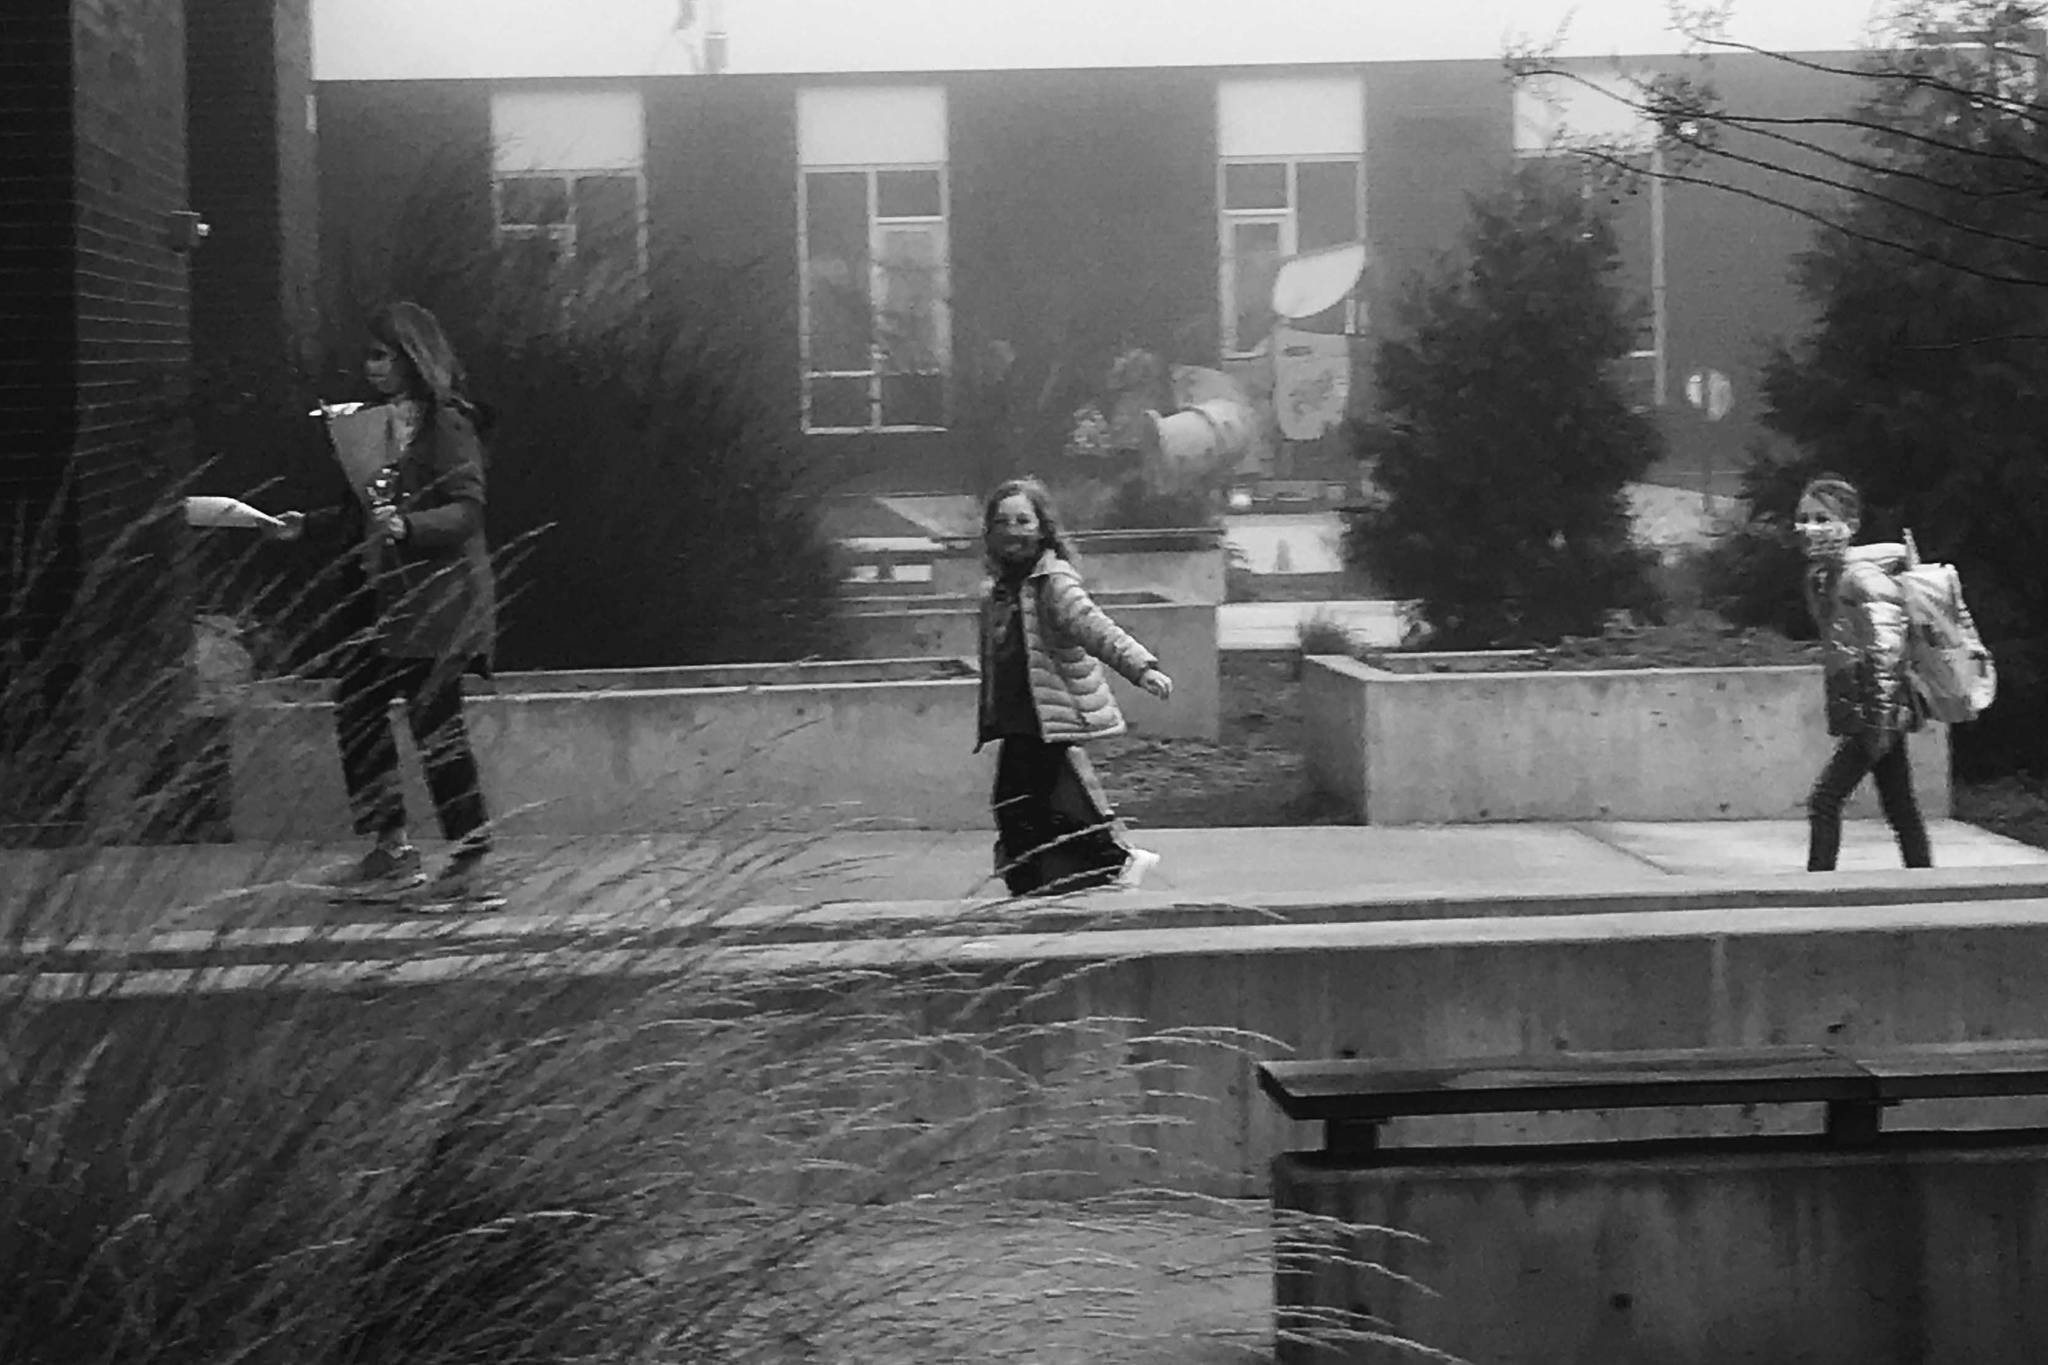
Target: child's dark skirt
(1054, 828)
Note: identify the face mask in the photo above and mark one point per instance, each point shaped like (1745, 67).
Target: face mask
(1824, 538)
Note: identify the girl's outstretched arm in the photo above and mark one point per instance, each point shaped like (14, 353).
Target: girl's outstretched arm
(1074, 612)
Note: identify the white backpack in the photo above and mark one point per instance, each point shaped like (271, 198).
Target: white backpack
(1948, 664)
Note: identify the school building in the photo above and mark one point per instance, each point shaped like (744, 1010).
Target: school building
(908, 239)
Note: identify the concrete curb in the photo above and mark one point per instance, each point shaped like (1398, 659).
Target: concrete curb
(1076, 923)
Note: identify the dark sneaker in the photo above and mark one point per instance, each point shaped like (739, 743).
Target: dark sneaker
(385, 871)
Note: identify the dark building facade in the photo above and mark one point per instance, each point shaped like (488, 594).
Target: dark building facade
(916, 255)
(103, 292)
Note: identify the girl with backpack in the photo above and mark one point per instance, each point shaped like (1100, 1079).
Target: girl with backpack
(1043, 695)
(1857, 604)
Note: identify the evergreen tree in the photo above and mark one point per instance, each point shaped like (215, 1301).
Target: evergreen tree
(1505, 440)
(1925, 378)
(1924, 374)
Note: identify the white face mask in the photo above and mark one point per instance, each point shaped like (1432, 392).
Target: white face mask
(1822, 534)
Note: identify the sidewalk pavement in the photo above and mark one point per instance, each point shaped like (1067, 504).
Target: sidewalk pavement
(866, 882)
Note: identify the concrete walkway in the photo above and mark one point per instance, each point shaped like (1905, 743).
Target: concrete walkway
(853, 881)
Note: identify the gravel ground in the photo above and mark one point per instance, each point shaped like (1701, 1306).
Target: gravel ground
(1252, 776)
(2016, 807)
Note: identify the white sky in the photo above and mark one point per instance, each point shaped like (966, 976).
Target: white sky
(411, 39)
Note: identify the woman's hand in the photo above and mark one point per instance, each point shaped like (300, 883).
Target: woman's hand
(390, 522)
(290, 526)
(1157, 683)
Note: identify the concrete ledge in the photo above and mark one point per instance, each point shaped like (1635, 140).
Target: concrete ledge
(1227, 996)
(1619, 744)
(1919, 1248)
(265, 922)
(880, 744)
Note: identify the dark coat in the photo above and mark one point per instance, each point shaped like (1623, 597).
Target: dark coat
(431, 595)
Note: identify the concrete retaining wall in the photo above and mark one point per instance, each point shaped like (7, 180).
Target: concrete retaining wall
(1620, 744)
(1213, 1001)
(1182, 634)
(1909, 1254)
(883, 743)
(1186, 564)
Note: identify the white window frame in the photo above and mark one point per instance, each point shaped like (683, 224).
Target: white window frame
(877, 225)
(565, 233)
(1289, 219)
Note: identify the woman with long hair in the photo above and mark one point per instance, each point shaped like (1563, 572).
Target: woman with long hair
(1043, 695)
(421, 604)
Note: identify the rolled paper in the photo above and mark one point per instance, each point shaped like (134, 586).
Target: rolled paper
(334, 409)
(216, 512)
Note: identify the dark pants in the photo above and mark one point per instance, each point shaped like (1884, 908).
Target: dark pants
(1053, 829)
(432, 693)
(1894, 775)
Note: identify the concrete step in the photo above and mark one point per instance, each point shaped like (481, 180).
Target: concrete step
(184, 907)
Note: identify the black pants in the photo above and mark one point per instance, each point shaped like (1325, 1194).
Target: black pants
(1838, 779)
(432, 692)
(1053, 830)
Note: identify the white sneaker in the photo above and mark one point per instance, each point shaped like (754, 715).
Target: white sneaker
(1141, 861)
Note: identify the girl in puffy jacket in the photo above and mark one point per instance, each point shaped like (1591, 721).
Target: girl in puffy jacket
(1043, 694)
(1857, 605)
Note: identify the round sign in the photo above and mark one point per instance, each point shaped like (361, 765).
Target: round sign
(1711, 391)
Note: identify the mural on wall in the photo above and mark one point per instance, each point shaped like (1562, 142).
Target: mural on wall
(1183, 428)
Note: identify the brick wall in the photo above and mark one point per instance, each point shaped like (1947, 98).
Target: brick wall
(133, 442)
(132, 288)
(36, 284)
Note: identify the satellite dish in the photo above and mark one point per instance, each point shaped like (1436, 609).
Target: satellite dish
(1316, 280)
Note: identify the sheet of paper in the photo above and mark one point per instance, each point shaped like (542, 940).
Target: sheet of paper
(216, 512)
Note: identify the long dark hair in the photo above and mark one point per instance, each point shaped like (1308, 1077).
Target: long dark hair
(436, 372)
(1050, 537)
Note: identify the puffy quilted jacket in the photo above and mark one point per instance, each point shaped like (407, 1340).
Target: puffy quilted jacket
(1862, 620)
(1067, 639)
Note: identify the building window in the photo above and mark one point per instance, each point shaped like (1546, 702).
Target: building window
(876, 320)
(1290, 181)
(569, 191)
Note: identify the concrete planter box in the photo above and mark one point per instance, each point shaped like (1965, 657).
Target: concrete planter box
(1186, 564)
(1618, 744)
(1181, 633)
(1916, 1250)
(883, 743)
